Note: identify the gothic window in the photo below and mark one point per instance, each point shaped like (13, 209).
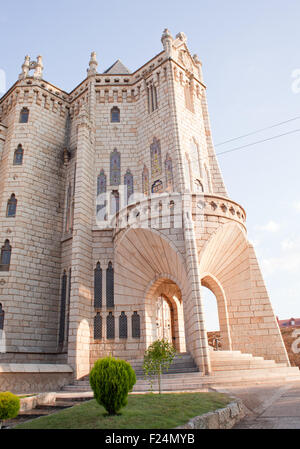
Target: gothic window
(68, 304)
(123, 325)
(98, 286)
(194, 153)
(145, 181)
(115, 115)
(188, 95)
(18, 155)
(128, 182)
(110, 285)
(115, 168)
(152, 98)
(1, 318)
(5, 256)
(155, 153)
(63, 296)
(101, 182)
(11, 206)
(110, 326)
(187, 173)
(169, 174)
(24, 115)
(136, 325)
(207, 178)
(97, 326)
(68, 210)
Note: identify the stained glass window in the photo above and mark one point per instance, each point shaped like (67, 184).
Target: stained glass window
(11, 206)
(136, 325)
(98, 286)
(18, 155)
(115, 168)
(1, 318)
(97, 326)
(5, 256)
(169, 174)
(115, 115)
(128, 182)
(145, 181)
(110, 326)
(24, 115)
(155, 153)
(110, 285)
(63, 296)
(123, 325)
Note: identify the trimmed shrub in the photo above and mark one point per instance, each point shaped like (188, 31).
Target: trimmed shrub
(111, 380)
(9, 406)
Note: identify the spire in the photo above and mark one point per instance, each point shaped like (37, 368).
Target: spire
(25, 68)
(167, 41)
(93, 65)
(38, 68)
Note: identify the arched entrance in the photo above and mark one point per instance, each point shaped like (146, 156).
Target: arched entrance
(164, 312)
(164, 319)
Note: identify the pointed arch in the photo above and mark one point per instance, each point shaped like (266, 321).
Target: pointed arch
(11, 206)
(18, 155)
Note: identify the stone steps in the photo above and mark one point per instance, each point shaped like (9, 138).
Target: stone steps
(228, 368)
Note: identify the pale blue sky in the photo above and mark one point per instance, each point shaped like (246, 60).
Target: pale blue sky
(248, 49)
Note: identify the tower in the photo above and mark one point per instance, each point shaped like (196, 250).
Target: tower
(113, 214)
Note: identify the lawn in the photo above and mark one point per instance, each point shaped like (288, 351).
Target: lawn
(144, 411)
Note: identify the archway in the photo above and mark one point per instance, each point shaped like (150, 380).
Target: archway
(164, 312)
(211, 283)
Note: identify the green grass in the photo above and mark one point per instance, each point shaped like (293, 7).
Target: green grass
(149, 411)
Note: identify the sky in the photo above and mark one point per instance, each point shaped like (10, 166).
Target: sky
(250, 53)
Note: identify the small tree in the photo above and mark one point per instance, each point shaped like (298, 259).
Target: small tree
(111, 380)
(9, 406)
(158, 357)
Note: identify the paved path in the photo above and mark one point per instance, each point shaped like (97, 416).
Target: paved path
(275, 406)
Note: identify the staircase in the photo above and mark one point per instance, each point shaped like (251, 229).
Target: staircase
(229, 368)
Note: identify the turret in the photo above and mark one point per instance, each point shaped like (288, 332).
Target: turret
(167, 41)
(93, 65)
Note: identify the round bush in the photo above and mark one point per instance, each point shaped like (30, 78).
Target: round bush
(111, 380)
(9, 406)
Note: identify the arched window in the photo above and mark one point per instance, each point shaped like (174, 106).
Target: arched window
(136, 325)
(97, 326)
(2, 313)
(110, 326)
(110, 285)
(187, 173)
(207, 178)
(11, 206)
(128, 182)
(62, 320)
(18, 155)
(115, 115)
(155, 154)
(123, 325)
(115, 168)
(68, 209)
(98, 286)
(169, 173)
(101, 182)
(5, 256)
(24, 115)
(145, 181)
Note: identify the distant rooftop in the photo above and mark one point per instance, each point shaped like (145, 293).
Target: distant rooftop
(289, 322)
(118, 68)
